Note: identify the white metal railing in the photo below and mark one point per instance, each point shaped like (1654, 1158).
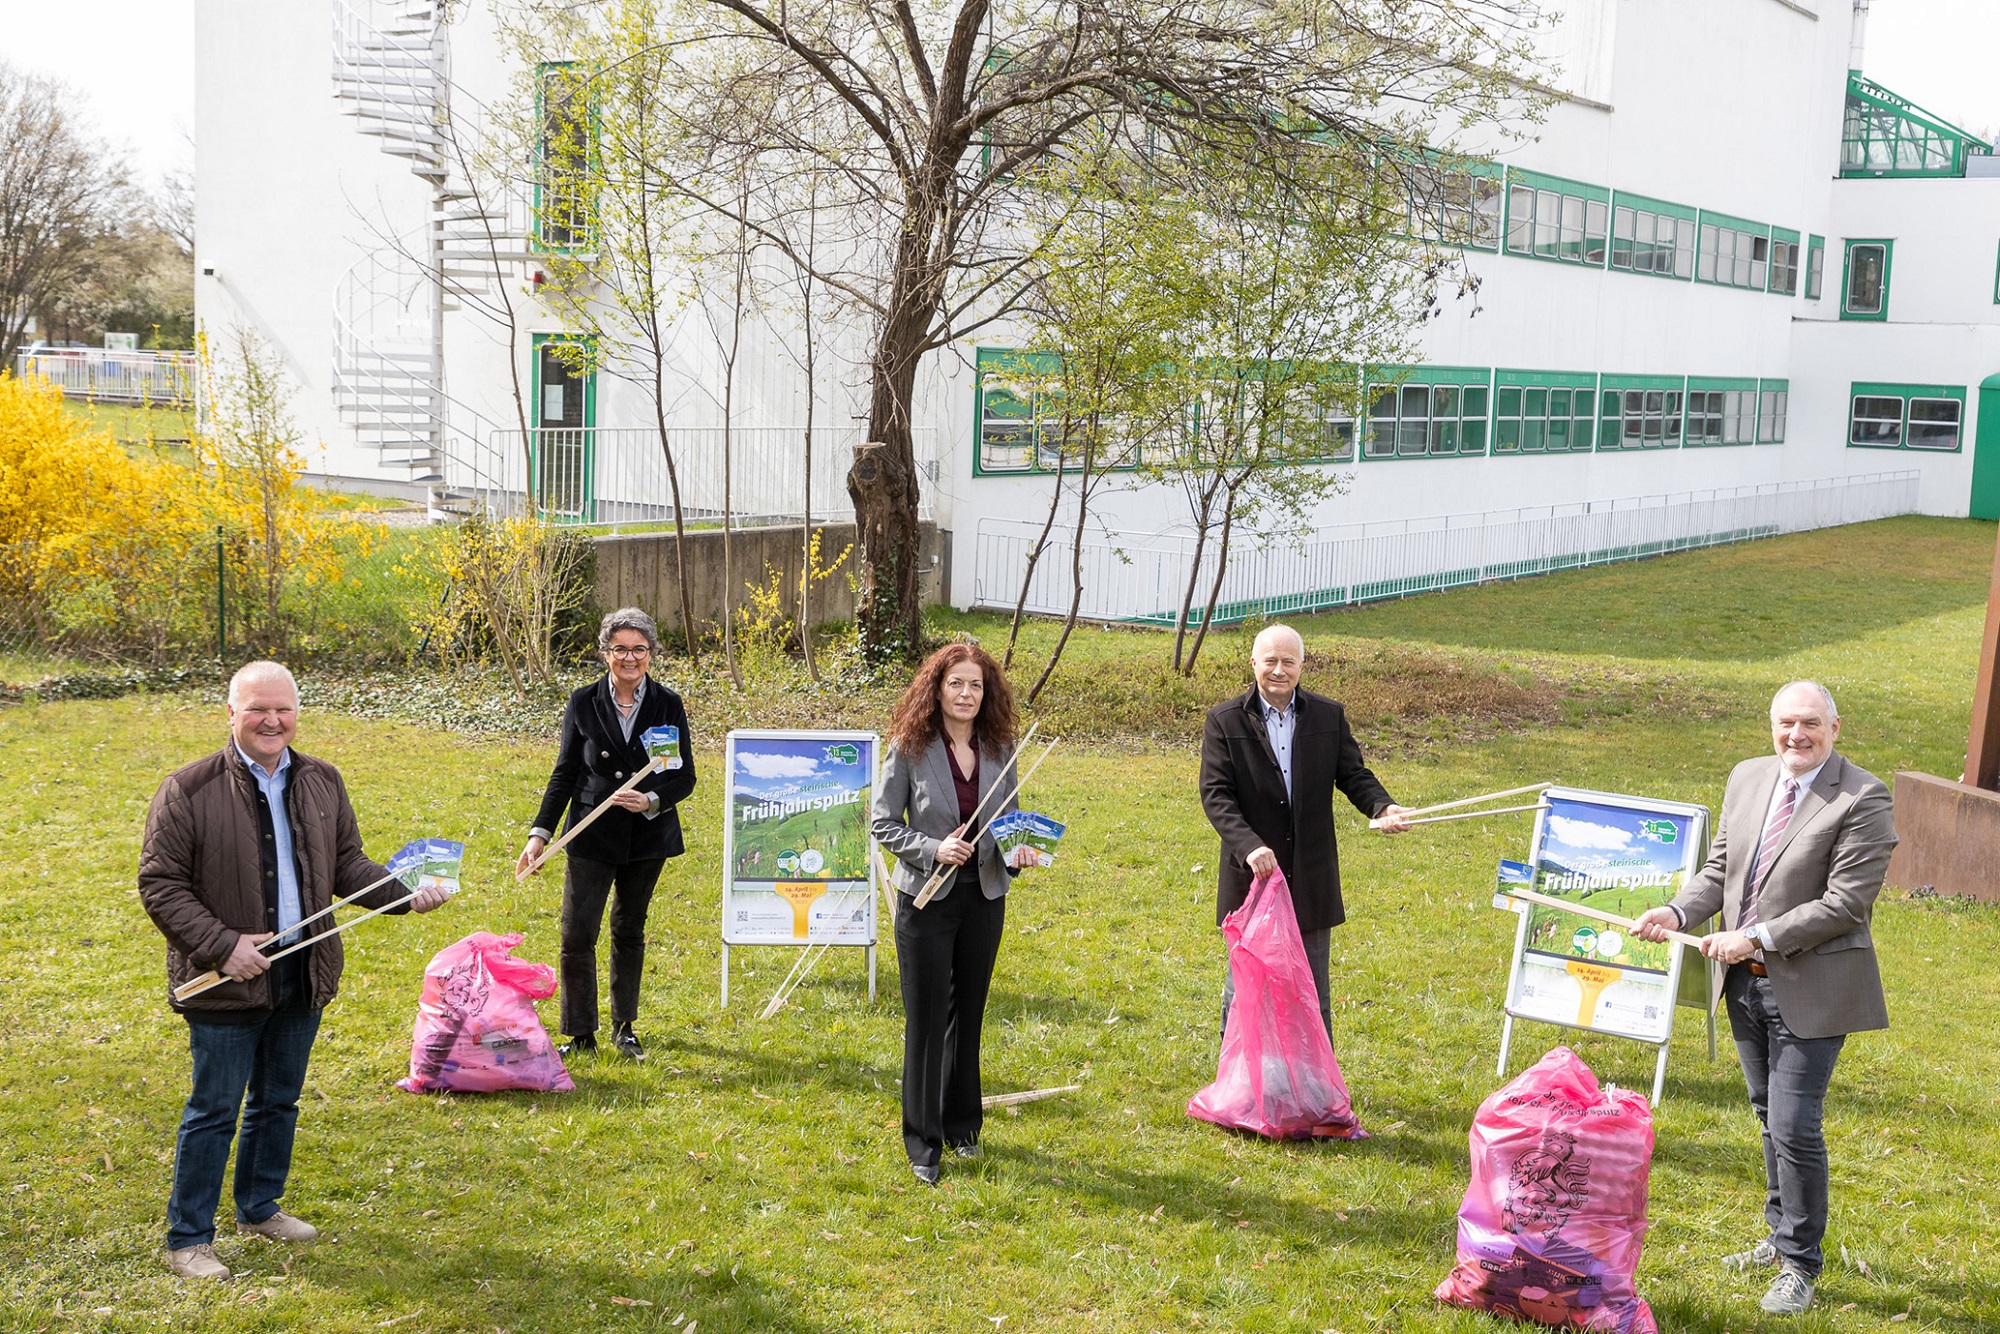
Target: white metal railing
(163, 378)
(1141, 576)
(600, 475)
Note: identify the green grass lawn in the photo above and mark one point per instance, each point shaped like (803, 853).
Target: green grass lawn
(134, 424)
(750, 1175)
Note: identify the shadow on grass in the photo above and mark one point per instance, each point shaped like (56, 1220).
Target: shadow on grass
(1122, 1186)
(514, 1288)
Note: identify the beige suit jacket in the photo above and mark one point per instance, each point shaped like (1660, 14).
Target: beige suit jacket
(1819, 898)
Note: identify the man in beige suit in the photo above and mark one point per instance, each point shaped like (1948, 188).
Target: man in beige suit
(1797, 861)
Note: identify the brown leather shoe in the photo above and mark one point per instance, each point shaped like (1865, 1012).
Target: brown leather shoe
(196, 1262)
(281, 1226)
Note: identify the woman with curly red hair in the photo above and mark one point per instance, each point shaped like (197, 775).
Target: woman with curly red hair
(950, 740)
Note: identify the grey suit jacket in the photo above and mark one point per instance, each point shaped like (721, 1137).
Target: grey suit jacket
(916, 806)
(1819, 898)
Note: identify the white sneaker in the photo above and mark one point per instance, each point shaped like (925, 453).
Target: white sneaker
(1791, 1293)
(281, 1226)
(196, 1262)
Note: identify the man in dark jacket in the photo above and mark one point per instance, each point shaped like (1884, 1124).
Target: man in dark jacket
(240, 847)
(1270, 761)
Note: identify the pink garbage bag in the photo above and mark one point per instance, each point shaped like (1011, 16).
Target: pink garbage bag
(1277, 1075)
(477, 1030)
(1555, 1217)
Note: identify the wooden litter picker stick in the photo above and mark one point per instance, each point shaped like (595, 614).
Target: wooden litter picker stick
(1031, 1095)
(1468, 801)
(939, 876)
(809, 956)
(1551, 901)
(196, 985)
(657, 764)
(1472, 815)
(208, 980)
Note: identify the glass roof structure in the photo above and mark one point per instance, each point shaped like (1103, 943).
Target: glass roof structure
(1884, 134)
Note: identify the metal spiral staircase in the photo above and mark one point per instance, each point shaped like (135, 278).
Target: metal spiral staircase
(391, 72)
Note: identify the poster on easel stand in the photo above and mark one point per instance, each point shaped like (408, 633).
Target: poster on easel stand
(1621, 855)
(798, 863)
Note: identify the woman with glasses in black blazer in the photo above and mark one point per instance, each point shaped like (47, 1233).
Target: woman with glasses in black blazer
(619, 858)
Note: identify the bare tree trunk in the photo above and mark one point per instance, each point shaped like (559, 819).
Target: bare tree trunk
(1075, 565)
(1076, 590)
(1215, 588)
(728, 427)
(890, 614)
(688, 630)
(1034, 557)
(806, 505)
(1202, 525)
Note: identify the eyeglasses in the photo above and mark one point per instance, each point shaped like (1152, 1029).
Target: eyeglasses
(620, 651)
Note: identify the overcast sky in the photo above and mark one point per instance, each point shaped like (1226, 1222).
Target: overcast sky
(133, 60)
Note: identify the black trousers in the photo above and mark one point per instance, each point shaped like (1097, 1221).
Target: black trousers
(586, 886)
(944, 954)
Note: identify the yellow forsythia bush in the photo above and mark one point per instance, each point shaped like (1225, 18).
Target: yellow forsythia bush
(104, 554)
(96, 547)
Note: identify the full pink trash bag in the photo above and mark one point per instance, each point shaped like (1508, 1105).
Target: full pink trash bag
(477, 1030)
(1555, 1217)
(1277, 1075)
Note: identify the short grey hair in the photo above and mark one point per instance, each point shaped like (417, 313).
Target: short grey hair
(1832, 709)
(627, 618)
(1275, 630)
(263, 672)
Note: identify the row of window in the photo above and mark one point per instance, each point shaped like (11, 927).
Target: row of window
(1442, 412)
(1542, 217)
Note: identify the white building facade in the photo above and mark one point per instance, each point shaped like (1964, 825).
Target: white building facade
(1729, 287)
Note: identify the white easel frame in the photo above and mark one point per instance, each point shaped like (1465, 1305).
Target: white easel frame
(1698, 838)
(852, 888)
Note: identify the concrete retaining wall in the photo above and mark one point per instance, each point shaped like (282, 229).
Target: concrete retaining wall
(638, 570)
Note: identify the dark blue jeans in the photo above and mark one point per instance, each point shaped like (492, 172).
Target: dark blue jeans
(1788, 1076)
(259, 1068)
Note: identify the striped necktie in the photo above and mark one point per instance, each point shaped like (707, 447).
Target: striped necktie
(1774, 834)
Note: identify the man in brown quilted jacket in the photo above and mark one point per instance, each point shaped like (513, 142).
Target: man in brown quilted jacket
(239, 848)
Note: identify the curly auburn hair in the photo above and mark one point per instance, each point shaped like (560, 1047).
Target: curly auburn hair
(919, 716)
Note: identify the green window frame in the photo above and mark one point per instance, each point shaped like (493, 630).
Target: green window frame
(1996, 276)
(562, 448)
(1784, 280)
(1721, 410)
(1639, 412)
(1010, 414)
(1544, 412)
(1925, 417)
(1864, 278)
(1815, 266)
(1455, 201)
(567, 160)
(1016, 421)
(1552, 218)
(1652, 236)
(1885, 134)
(1774, 404)
(1735, 252)
(1429, 412)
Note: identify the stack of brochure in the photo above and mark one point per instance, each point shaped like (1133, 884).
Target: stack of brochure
(1015, 828)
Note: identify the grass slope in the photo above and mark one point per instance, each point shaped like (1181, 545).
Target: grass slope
(750, 1176)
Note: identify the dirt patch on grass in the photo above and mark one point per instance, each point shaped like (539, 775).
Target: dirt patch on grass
(1402, 698)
